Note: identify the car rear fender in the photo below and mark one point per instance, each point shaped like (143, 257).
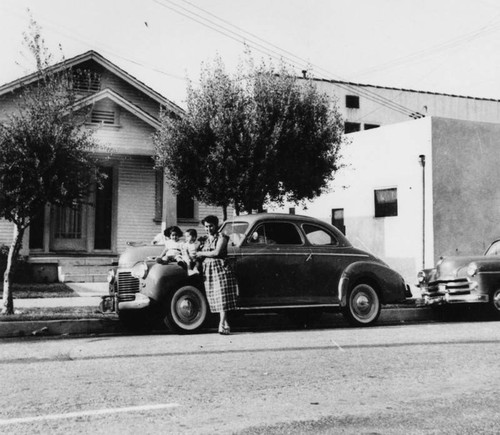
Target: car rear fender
(389, 284)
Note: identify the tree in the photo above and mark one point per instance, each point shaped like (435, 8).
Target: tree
(260, 135)
(46, 154)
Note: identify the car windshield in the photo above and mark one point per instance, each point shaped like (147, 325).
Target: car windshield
(235, 231)
(494, 248)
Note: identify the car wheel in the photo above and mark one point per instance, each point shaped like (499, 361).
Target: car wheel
(494, 303)
(363, 305)
(140, 321)
(187, 310)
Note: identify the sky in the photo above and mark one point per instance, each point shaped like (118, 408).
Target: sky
(446, 46)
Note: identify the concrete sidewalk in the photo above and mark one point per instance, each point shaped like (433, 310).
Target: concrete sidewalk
(89, 294)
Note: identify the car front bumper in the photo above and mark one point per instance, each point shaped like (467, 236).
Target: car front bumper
(452, 292)
(139, 302)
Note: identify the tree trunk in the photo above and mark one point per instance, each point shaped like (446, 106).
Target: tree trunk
(8, 300)
(224, 212)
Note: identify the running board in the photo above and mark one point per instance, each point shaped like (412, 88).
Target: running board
(282, 307)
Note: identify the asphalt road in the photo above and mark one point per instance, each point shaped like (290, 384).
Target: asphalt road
(419, 378)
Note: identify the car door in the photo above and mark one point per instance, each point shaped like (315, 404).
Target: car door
(270, 265)
(328, 259)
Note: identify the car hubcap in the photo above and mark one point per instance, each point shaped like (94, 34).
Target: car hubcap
(496, 300)
(187, 309)
(364, 304)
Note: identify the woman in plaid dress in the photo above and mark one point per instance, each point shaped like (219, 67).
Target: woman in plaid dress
(220, 283)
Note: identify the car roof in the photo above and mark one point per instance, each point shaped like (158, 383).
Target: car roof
(251, 219)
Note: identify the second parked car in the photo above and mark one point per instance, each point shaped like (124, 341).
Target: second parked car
(464, 280)
(283, 263)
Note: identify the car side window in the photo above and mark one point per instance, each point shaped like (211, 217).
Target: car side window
(318, 236)
(271, 233)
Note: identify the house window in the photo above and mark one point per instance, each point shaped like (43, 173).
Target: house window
(386, 202)
(351, 127)
(338, 219)
(185, 207)
(291, 210)
(102, 117)
(158, 195)
(370, 126)
(352, 101)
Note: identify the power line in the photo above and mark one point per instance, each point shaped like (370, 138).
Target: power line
(237, 36)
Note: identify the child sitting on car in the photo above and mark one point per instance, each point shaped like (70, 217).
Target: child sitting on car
(189, 249)
(172, 251)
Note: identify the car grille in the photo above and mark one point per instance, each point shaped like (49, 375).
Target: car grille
(456, 287)
(128, 286)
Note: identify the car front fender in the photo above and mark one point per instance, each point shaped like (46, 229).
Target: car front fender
(390, 284)
(163, 280)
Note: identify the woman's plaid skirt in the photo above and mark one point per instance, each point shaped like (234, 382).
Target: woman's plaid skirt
(220, 285)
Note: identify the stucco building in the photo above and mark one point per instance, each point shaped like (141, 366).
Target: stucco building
(408, 214)
(135, 203)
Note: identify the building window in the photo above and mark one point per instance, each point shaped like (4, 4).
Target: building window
(351, 127)
(291, 210)
(386, 202)
(185, 207)
(102, 117)
(338, 219)
(158, 195)
(370, 126)
(352, 101)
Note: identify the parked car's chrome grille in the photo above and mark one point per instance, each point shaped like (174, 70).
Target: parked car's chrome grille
(458, 286)
(128, 286)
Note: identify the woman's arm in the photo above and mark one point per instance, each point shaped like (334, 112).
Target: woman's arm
(219, 250)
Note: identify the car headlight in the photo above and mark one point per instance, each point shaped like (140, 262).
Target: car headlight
(111, 276)
(140, 270)
(421, 277)
(472, 269)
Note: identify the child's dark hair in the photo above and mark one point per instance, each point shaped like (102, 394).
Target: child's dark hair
(192, 232)
(168, 231)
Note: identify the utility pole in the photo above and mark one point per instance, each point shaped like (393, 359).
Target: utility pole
(422, 163)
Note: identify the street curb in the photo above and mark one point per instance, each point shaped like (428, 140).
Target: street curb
(40, 328)
(59, 327)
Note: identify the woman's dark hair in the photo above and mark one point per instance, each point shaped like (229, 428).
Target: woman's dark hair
(211, 219)
(192, 232)
(173, 229)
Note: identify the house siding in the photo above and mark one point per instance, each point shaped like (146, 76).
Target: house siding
(130, 136)
(136, 201)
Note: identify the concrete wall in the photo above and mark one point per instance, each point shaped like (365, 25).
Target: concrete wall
(466, 179)
(376, 159)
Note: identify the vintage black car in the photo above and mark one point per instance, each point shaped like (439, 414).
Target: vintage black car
(464, 280)
(283, 263)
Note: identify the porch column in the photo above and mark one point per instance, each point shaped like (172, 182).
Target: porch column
(169, 206)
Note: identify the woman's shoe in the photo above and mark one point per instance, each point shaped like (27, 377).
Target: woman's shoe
(224, 330)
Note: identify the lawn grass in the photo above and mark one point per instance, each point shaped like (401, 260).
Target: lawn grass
(35, 290)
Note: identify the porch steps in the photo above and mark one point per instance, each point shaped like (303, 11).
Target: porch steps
(78, 269)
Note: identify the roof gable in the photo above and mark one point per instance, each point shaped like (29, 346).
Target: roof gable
(105, 63)
(119, 100)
